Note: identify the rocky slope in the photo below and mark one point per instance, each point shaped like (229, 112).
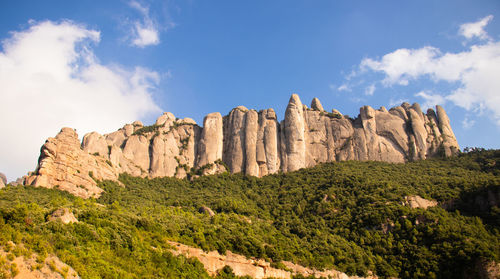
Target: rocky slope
(33, 266)
(255, 268)
(247, 141)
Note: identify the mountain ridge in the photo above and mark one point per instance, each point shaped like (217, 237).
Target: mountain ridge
(246, 141)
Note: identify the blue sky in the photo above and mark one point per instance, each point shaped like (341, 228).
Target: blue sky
(96, 65)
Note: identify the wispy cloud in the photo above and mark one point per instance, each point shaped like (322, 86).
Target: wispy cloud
(344, 87)
(475, 29)
(144, 32)
(473, 73)
(51, 78)
(468, 123)
(370, 90)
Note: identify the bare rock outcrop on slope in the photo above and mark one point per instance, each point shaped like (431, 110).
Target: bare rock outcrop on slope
(64, 215)
(65, 165)
(418, 202)
(245, 141)
(255, 268)
(32, 268)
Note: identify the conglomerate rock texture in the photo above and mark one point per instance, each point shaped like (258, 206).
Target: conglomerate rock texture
(246, 141)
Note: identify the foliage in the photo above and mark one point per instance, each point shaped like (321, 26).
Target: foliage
(147, 129)
(345, 215)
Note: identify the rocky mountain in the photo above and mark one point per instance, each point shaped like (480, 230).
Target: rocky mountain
(3, 180)
(246, 141)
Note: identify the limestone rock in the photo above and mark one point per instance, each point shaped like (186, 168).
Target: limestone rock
(246, 141)
(211, 142)
(268, 155)
(19, 180)
(251, 131)
(334, 111)
(164, 156)
(320, 144)
(30, 267)
(254, 268)
(449, 143)
(173, 150)
(418, 202)
(64, 215)
(166, 120)
(94, 143)
(420, 133)
(485, 270)
(65, 165)
(234, 139)
(3, 179)
(316, 105)
(294, 136)
(137, 151)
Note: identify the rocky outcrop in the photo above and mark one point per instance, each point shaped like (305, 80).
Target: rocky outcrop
(207, 210)
(245, 141)
(254, 268)
(32, 267)
(449, 142)
(3, 180)
(293, 136)
(418, 202)
(65, 165)
(64, 215)
(484, 270)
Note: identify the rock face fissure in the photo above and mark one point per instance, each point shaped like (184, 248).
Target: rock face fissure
(246, 141)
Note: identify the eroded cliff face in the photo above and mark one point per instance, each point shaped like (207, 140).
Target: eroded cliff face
(245, 141)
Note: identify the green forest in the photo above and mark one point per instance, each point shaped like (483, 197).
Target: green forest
(344, 215)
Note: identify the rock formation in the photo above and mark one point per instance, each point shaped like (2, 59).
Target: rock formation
(3, 180)
(255, 268)
(65, 165)
(418, 202)
(64, 215)
(245, 141)
(51, 267)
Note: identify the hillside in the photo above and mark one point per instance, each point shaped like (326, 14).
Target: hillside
(350, 216)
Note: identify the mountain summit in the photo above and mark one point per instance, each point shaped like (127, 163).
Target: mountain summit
(246, 141)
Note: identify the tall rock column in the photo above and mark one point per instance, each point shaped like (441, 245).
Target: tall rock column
(251, 130)
(419, 131)
(450, 143)
(210, 145)
(369, 123)
(294, 135)
(234, 139)
(268, 150)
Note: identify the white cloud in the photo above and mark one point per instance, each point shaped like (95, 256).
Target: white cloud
(50, 78)
(468, 123)
(145, 32)
(402, 65)
(370, 90)
(475, 29)
(473, 72)
(344, 87)
(431, 99)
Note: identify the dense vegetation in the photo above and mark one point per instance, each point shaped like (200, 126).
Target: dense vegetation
(347, 215)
